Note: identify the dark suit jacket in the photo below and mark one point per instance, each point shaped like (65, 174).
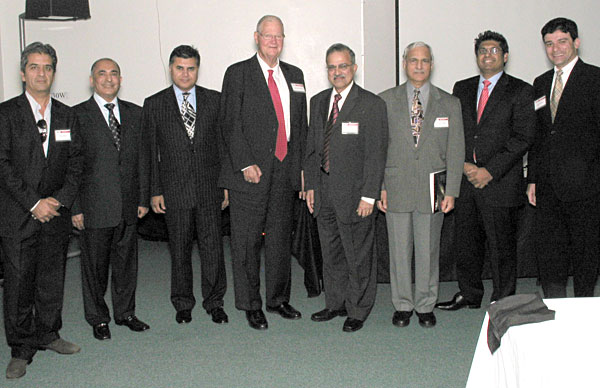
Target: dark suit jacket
(504, 134)
(356, 162)
(566, 154)
(249, 124)
(184, 172)
(110, 188)
(26, 175)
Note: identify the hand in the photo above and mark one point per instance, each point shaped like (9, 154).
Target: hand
(158, 204)
(468, 167)
(479, 177)
(531, 193)
(382, 203)
(364, 209)
(46, 210)
(77, 221)
(310, 201)
(302, 193)
(142, 211)
(447, 204)
(252, 174)
(225, 202)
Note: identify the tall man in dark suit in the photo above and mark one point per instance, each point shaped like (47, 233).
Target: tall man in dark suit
(345, 158)
(107, 206)
(426, 136)
(40, 171)
(180, 174)
(564, 168)
(263, 113)
(499, 125)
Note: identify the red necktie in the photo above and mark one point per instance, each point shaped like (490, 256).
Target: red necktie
(485, 94)
(281, 145)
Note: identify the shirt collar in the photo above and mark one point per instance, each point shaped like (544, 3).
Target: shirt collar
(493, 79)
(568, 68)
(265, 67)
(35, 107)
(344, 93)
(101, 101)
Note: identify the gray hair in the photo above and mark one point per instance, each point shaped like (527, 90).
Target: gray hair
(38, 48)
(105, 59)
(340, 47)
(268, 18)
(417, 44)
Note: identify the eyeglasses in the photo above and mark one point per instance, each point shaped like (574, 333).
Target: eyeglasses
(43, 126)
(493, 50)
(270, 36)
(340, 67)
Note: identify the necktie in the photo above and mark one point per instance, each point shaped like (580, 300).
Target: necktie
(188, 115)
(556, 93)
(114, 126)
(416, 117)
(281, 145)
(335, 111)
(485, 94)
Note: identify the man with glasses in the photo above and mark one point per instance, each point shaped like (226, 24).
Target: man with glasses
(426, 137)
(40, 172)
(263, 116)
(108, 205)
(499, 124)
(345, 157)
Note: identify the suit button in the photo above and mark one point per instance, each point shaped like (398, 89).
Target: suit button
(475, 137)
(552, 132)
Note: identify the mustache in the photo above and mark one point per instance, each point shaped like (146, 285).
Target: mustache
(335, 77)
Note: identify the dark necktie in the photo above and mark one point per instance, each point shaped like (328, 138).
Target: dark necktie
(113, 124)
(483, 98)
(188, 115)
(416, 117)
(281, 145)
(335, 110)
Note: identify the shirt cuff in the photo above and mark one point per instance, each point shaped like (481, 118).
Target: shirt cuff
(370, 201)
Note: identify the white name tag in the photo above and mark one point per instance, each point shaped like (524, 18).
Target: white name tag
(539, 103)
(62, 135)
(350, 128)
(298, 88)
(441, 122)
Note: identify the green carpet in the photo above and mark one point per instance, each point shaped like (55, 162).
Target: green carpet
(298, 353)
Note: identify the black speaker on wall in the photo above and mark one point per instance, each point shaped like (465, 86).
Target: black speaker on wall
(67, 9)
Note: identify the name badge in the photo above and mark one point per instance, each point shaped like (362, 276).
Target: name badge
(441, 122)
(539, 103)
(298, 88)
(350, 128)
(62, 135)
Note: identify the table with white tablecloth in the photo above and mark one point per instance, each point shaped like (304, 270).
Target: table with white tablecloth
(558, 353)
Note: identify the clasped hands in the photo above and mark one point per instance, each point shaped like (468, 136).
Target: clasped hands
(46, 209)
(478, 176)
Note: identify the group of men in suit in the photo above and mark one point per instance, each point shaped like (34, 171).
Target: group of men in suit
(250, 147)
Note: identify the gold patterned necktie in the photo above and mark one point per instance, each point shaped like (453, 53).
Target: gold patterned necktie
(416, 117)
(556, 93)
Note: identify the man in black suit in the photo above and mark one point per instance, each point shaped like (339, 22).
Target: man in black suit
(263, 113)
(180, 173)
(499, 125)
(40, 172)
(107, 206)
(345, 159)
(564, 168)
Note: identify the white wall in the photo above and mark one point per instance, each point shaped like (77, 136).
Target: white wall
(450, 27)
(379, 65)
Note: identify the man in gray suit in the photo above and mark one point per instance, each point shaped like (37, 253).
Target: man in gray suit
(345, 157)
(432, 142)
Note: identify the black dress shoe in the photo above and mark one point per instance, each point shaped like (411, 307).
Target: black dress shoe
(401, 318)
(101, 331)
(351, 325)
(426, 319)
(218, 315)
(184, 316)
(285, 310)
(327, 315)
(257, 320)
(133, 323)
(457, 303)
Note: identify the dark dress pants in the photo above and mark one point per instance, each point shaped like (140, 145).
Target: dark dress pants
(478, 224)
(34, 274)
(567, 232)
(204, 222)
(349, 268)
(101, 249)
(271, 210)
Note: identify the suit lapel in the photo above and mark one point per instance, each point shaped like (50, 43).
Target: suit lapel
(56, 122)
(96, 116)
(402, 113)
(497, 95)
(348, 104)
(569, 93)
(175, 108)
(430, 115)
(471, 99)
(29, 123)
(258, 83)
